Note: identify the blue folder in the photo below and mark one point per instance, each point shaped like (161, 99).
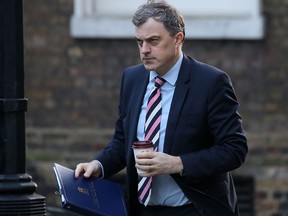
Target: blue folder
(92, 196)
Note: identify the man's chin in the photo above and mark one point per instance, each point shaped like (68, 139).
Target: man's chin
(149, 67)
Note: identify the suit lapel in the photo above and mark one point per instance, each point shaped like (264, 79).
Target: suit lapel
(178, 100)
(136, 102)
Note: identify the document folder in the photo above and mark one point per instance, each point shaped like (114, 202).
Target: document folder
(89, 196)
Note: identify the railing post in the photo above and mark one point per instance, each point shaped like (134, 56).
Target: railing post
(17, 190)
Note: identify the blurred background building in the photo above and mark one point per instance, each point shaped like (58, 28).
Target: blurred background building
(75, 52)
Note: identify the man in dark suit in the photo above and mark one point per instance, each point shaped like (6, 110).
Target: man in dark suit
(201, 138)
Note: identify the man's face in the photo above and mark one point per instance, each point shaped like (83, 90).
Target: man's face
(159, 51)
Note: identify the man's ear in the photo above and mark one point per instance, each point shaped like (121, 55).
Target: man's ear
(179, 38)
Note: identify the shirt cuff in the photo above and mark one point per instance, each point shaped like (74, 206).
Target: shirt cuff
(102, 170)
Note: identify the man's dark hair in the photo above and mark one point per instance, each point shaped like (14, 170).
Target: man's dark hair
(162, 12)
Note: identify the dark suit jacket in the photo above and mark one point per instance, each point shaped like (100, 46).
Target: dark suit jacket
(204, 129)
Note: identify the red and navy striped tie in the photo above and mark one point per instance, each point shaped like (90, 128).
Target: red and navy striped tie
(152, 132)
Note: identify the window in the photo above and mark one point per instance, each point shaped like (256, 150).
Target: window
(205, 19)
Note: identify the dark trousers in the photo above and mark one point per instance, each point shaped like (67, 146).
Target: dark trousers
(186, 210)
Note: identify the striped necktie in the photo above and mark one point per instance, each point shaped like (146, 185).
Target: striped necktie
(152, 132)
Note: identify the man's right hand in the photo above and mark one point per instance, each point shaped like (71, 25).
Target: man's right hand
(88, 169)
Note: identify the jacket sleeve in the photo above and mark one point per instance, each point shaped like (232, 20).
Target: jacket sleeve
(228, 147)
(112, 157)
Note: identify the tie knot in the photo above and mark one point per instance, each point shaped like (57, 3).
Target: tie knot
(159, 81)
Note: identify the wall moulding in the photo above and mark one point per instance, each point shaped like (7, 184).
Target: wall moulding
(206, 19)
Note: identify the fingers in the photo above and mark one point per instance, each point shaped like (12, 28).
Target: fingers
(148, 170)
(80, 168)
(158, 163)
(147, 165)
(87, 169)
(144, 162)
(142, 155)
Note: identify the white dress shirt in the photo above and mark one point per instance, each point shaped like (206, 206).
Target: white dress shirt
(165, 190)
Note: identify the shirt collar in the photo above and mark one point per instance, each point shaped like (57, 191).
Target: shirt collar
(172, 75)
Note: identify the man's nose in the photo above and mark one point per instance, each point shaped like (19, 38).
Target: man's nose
(145, 48)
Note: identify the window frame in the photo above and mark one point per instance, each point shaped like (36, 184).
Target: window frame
(206, 19)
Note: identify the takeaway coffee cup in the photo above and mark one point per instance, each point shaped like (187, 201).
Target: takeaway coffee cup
(142, 146)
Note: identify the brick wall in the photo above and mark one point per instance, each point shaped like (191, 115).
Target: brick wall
(72, 87)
